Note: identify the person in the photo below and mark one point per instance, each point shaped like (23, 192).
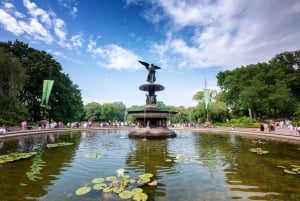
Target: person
(151, 71)
(298, 129)
(262, 127)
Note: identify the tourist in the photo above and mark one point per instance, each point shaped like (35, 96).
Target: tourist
(262, 127)
(298, 129)
(2, 130)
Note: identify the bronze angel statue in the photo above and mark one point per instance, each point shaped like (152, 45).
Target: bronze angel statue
(151, 71)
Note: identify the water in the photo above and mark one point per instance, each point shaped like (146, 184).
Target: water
(191, 167)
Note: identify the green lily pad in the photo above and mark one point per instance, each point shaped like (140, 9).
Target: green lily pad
(259, 151)
(59, 144)
(111, 178)
(126, 194)
(99, 186)
(137, 190)
(98, 180)
(107, 189)
(143, 180)
(83, 190)
(118, 189)
(94, 155)
(15, 156)
(140, 197)
(146, 175)
(289, 171)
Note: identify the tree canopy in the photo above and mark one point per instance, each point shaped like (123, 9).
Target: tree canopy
(65, 100)
(264, 89)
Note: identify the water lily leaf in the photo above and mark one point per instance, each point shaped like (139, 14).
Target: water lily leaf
(146, 175)
(140, 197)
(99, 186)
(107, 189)
(23, 184)
(289, 171)
(98, 180)
(259, 151)
(137, 190)
(118, 189)
(94, 155)
(168, 160)
(143, 180)
(15, 156)
(83, 190)
(126, 194)
(111, 178)
(59, 144)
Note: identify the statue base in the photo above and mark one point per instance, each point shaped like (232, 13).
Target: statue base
(152, 133)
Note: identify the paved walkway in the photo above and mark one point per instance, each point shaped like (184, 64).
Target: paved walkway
(282, 134)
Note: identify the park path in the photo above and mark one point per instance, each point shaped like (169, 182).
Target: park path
(282, 134)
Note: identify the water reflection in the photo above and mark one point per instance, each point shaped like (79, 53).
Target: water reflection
(191, 167)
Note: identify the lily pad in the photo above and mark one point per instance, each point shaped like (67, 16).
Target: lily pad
(289, 171)
(137, 190)
(111, 178)
(126, 194)
(146, 175)
(15, 156)
(118, 189)
(140, 196)
(98, 180)
(59, 144)
(94, 155)
(259, 151)
(99, 186)
(107, 189)
(83, 190)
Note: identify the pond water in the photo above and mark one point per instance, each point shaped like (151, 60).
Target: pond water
(191, 167)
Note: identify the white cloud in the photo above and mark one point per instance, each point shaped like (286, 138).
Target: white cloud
(114, 56)
(71, 5)
(10, 23)
(227, 33)
(37, 24)
(77, 40)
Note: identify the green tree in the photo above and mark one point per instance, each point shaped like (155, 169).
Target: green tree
(11, 81)
(65, 99)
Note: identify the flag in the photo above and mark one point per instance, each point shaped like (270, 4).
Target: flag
(47, 87)
(207, 97)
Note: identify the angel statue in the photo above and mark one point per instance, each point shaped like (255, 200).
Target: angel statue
(151, 71)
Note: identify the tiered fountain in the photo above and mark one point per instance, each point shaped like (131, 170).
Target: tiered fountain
(151, 122)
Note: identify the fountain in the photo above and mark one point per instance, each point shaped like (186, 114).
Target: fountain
(151, 122)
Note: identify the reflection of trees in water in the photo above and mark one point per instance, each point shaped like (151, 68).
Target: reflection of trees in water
(15, 174)
(150, 156)
(248, 174)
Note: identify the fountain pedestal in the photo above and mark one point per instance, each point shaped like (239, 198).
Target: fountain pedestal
(151, 122)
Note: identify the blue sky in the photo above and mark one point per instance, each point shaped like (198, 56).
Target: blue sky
(99, 42)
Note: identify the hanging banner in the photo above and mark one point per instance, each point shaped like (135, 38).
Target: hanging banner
(207, 97)
(47, 87)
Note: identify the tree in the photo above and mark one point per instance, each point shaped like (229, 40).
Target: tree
(264, 89)
(11, 81)
(65, 99)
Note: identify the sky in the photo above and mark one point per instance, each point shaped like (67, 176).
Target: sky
(99, 42)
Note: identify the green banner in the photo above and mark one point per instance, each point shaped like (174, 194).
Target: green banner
(47, 87)
(207, 97)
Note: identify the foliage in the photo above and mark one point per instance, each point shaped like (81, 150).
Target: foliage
(105, 112)
(12, 77)
(32, 67)
(263, 89)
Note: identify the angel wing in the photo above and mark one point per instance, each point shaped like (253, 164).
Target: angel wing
(157, 67)
(145, 64)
